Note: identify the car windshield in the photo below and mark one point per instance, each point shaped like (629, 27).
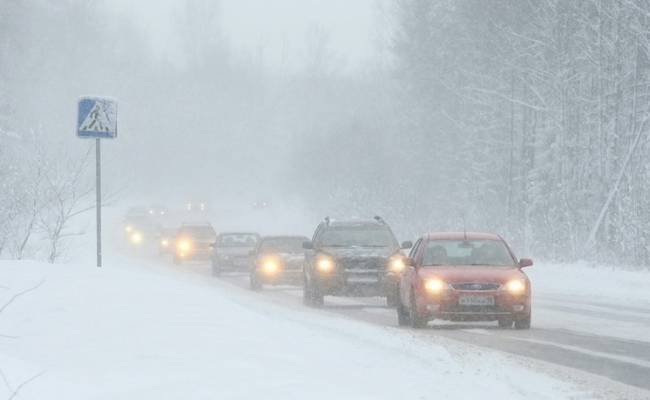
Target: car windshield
(358, 237)
(237, 240)
(201, 232)
(283, 245)
(467, 252)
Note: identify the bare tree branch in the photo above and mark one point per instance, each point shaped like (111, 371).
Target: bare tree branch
(21, 293)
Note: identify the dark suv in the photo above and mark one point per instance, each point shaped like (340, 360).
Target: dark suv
(352, 258)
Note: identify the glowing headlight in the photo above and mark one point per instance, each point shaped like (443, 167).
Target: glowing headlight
(184, 245)
(270, 266)
(516, 286)
(434, 285)
(397, 265)
(128, 228)
(136, 238)
(325, 265)
(164, 243)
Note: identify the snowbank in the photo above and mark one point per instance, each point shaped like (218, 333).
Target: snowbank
(598, 283)
(130, 333)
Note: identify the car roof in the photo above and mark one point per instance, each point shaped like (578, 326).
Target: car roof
(462, 236)
(354, 223)
(238, 233)
(285, 237)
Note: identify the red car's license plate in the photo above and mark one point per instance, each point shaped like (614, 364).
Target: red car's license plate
(476, 300)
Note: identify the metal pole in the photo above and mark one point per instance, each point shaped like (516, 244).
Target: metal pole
(98, 172)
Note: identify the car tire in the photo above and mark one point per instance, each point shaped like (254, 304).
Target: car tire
(311, 296)
(255, 284)
(417, 321)
(216, 269)
(523, 323)
(505, 323)
(403, 317)
(392, 299)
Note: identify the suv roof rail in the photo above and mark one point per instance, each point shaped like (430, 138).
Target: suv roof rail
(379, 219)
(327, 220)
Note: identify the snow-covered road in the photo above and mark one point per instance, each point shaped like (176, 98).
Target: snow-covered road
(141, 329)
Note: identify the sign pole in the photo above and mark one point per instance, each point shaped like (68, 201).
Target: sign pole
(98, 184)
(97, 118)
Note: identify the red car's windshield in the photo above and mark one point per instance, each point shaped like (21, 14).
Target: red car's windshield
(467, 252)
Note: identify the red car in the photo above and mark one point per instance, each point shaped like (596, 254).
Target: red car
(464, 277)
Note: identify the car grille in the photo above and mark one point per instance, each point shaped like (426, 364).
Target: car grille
(365, 264)
(475, 286)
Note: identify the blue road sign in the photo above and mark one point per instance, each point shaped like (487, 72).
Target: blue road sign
(97, 118)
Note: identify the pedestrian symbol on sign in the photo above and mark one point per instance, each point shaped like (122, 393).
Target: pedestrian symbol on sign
(97, 118)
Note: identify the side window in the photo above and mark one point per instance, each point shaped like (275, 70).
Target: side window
(414, 249)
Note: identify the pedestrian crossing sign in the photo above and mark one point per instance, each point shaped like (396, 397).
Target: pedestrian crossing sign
(97, 118)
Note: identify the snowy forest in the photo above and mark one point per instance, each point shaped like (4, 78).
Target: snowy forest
(526, 118)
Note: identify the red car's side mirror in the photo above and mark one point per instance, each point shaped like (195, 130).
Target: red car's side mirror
(525, 262)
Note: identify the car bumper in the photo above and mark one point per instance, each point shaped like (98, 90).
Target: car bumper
(196, 255)
(286, 277)
(234, 263)
(377, 284)
(449, 307)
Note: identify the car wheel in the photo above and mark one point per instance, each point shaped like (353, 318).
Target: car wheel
(216, 268)
(505, 323)
(255, 283)
(403, 318)
(417, 321)
(523, 323)
(311, 295)
(392, 299)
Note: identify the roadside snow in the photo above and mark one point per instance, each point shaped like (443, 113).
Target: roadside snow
(597, 301)
(594, 283)
(125, 332)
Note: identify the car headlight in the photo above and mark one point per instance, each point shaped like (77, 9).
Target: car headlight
(184, 245)
(136, 238)
(164, 243)
(396, 264)
(128, 228)
(270, 266)
(435, 286)
(325, 264)
(516, 286)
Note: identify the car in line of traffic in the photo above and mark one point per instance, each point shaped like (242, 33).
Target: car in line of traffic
(464, 276)
(277, 260)
(455, 276)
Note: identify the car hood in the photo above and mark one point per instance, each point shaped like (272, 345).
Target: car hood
(359, 252)
(461, 274)
(234, 251)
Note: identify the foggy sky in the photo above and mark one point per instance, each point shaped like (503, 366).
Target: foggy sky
(275, 28)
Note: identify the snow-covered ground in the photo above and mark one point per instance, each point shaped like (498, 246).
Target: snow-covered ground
(133, 332)
(578, 297)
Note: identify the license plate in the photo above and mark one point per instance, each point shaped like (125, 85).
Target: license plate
(476, 300)
(363, 279)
